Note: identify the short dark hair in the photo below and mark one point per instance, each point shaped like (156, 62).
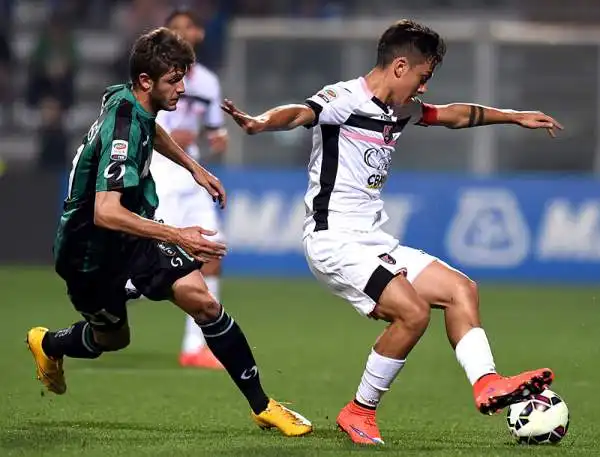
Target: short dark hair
(411, 39)
(158, 52)
(183, 11)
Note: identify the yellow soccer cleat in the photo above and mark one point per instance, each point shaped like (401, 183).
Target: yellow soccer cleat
(289, 422)
(48, 370)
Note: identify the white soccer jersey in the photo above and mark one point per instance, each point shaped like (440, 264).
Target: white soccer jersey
(199, 106)
(353, 140)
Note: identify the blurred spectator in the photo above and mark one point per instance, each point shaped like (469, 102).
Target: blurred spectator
(215, 15)
(53, 142)
(317, 9)
(254, 8)
(140, 16)
(6, 10)
(88, 12)
(5, 77)
(53, 65)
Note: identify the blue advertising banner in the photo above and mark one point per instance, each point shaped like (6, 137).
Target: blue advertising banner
(508, 228)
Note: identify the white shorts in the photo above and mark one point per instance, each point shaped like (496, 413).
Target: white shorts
(357, 266)
(189, 207)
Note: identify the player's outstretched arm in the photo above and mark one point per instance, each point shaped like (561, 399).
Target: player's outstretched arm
(111, 215)
(166, 146)
(284, 117)
(463, 115)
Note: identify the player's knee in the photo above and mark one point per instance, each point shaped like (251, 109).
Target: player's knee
(413, 317)
(466, 293)
(195, 298)
(416, 318)
(113, 341)
(208, 309)
(212, 268)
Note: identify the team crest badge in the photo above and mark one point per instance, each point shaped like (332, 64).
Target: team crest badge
(388, 136)
(388, 259)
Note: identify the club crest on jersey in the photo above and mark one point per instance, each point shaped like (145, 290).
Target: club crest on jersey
(388, 133)
(118, 151)
(387, 258)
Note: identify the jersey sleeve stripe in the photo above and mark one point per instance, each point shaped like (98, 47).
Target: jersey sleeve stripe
(123, 121)
(317, 110)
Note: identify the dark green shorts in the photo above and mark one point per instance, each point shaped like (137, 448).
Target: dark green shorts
(152, 266)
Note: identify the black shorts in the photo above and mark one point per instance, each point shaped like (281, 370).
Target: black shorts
(151, 265)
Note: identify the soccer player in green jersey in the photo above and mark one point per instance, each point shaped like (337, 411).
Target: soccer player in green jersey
(107, 235)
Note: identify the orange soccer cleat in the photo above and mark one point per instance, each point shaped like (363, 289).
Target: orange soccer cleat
(359, 424)
(203, 358)
(494, 392)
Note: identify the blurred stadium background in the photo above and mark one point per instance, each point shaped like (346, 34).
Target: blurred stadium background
(507, 206)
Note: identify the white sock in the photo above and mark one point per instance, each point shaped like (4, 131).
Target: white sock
(193, 339)
(474, 354)
(377, 378)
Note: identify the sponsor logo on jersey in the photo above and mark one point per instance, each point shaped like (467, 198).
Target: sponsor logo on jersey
(376, 181)
(378, 158)
(109, 172)
(118, 150)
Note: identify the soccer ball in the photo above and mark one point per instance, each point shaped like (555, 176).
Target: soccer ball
(541, 418)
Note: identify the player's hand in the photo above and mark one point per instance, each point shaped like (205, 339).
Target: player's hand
(212, 185)
(250, 124)
(192, 241)
(218, 140)
(538, 120)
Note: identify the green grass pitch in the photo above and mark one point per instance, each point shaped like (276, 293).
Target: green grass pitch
(311, 348)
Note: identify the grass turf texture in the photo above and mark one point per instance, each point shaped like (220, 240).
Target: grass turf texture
(311, 348)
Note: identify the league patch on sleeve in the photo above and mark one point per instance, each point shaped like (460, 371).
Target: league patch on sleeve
(118, 151)
(327, 95)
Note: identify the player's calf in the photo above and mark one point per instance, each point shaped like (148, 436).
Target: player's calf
(114, 340)
(223, 336)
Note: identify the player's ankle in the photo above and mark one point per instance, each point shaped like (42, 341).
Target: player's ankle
(361, 408)
(486, 378)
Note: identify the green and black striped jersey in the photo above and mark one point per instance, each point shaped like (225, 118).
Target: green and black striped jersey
(115, 155)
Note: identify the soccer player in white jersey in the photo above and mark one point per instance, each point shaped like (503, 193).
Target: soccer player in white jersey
(180, 202)
(357, 124)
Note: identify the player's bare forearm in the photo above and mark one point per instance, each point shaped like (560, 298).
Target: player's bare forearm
(465, 115)
(287, 117)
(111, 215)
(168, 147)
(284, 117)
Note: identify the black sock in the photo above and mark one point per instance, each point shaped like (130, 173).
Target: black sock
(76, 341)
(228, 343)
(362, 405)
